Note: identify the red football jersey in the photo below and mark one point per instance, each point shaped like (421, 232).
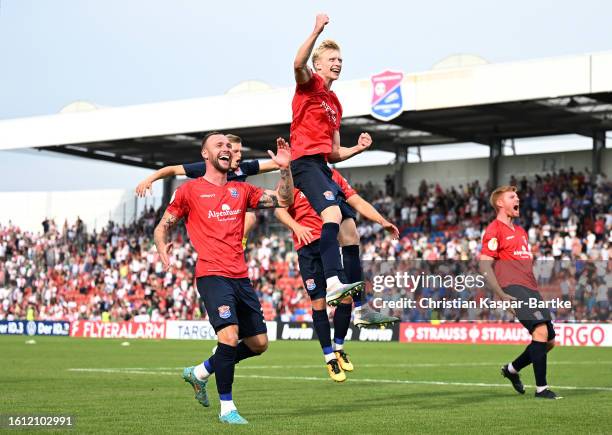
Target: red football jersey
(214, 216)
(316, 115)
(513, 258)
(303, 213)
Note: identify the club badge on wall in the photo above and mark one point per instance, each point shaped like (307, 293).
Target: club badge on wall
(387, 100)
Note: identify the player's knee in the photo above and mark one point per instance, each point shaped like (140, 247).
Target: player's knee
(540, 333)
(258, 344)
(260, 347)
(228, 335)
(319, 304)
(332, 214)
(348, 233)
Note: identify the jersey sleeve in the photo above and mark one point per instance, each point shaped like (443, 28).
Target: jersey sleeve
(254, 194)
(250, 167)
(344, 185)
(490, 242)
(179, 206)
(195, 170)
(311, 85)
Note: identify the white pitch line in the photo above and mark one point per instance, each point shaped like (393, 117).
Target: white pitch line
(357, 380)
(397, 365)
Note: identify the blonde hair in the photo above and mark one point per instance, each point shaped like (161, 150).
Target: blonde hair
(327, 44)
(498, 192)
(233, 138)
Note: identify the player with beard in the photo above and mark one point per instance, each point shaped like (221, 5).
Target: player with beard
(239, 172)
(507, 264)
(214, 209)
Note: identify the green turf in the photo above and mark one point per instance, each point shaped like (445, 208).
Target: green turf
(36, 378)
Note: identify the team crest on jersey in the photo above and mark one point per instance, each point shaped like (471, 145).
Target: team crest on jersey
(224, 312)
(233, 192)
(310, 284)
(328, 194)
(238, 172)
(492, 244)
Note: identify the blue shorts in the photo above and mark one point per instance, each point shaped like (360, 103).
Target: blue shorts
(313, 177)
(531, 317)
(232, 301)
(348, 212)
(311, 270)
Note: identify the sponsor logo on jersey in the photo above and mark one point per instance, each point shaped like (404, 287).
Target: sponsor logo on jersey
(523, 253)
(225, 214)
(224, 312)
(207, 195)
(331, 113)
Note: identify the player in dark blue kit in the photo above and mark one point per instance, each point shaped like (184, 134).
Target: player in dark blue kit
(239, 171)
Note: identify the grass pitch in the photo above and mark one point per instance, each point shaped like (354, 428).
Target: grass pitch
(395, 388)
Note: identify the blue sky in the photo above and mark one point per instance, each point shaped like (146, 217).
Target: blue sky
(116, 53)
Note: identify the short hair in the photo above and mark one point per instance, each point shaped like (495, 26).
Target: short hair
(212, 133)
(327, 44)
(233, 138)
(498, 192)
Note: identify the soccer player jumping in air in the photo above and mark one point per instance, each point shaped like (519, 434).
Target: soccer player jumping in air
(507, 264)
(214, 211)
(305, 224)
(315, 140)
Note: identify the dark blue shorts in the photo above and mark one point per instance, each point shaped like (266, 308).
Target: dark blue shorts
(232, 301)
(311, 270)
(313, 177)
(348, 212)
(531, 317)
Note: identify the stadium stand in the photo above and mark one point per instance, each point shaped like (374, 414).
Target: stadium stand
(69, 273)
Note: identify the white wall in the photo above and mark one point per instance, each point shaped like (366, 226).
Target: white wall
(453, 173)
(94, 207)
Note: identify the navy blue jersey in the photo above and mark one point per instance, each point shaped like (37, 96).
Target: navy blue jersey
(245, 169)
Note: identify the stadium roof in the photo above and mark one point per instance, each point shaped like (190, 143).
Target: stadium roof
(481, 104)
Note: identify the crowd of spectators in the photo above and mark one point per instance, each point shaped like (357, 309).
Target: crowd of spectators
(68, 273)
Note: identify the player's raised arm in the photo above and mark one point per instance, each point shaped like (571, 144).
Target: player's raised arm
(167, 171)
(340, 153)
(268, 166)
(283, 195)
(368, 211)
(160, 235)
(300, 64)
